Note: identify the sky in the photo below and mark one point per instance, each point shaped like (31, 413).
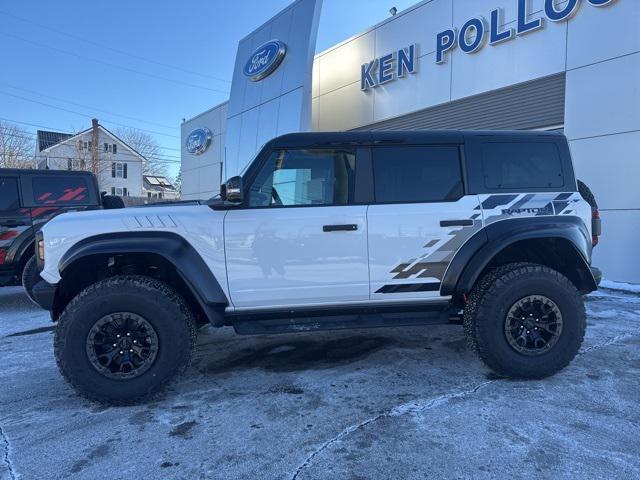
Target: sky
(145, 64)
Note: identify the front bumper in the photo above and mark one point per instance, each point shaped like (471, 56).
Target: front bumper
(597, 275)
(44, 294)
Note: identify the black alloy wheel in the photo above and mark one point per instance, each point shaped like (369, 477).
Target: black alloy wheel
(533, 325)
(122, 345)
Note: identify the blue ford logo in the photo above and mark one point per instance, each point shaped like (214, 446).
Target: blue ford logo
(264, 60)
(198, 141)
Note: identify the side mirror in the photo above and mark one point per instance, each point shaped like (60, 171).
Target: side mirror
(232, 191)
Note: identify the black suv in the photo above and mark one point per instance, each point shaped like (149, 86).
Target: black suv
(28, 199)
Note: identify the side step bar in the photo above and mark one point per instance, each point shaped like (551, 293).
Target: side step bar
(291, 322)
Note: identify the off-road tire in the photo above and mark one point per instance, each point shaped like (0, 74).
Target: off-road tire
(30, 277)
(152, 299)
(502, 289)
(471, 305)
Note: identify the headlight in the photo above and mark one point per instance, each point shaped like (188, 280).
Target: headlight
(40, 249)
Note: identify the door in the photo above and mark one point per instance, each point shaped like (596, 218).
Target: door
(15, 223)
(420, 218)
(298, 239)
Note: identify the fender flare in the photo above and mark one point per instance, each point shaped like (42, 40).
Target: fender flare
(472, 258)
(171, 246)
(26, 244)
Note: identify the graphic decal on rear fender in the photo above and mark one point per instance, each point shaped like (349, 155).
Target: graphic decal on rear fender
(504, 206)
(433, 263)
(429, 267)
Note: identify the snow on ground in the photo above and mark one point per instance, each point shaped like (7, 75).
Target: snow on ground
(621, 286)
(386, 403)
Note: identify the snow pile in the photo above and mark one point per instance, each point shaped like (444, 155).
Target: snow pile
(625, 287)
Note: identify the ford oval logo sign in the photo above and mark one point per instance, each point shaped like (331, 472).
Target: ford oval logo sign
(264, 60)
(198, 141)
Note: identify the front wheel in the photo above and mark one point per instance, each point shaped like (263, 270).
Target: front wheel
(528, 321)
(124, 338)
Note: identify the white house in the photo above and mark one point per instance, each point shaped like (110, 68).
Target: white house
(117, 165)
(157, 187)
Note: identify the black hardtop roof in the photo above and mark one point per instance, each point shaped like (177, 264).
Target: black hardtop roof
(308, 139)
(36, 171)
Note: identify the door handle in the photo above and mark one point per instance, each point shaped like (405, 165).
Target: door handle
(340, 228)
(457, 223)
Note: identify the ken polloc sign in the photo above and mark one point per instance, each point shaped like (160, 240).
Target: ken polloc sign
(470, 37)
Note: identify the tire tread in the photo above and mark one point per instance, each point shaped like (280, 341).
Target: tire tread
(482, 313)
(148, 284)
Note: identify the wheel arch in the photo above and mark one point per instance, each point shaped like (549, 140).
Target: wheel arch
(166, 255)
(25, 252)
(561, 243)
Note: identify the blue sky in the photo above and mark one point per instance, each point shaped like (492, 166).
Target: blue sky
(66, 62)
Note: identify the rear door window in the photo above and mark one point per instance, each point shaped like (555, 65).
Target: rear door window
(60, 190)
(417, 174)
(522, 165)
(9, 196)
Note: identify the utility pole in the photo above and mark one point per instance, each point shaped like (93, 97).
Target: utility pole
(94, 145)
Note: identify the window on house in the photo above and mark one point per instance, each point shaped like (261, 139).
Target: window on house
(118, 170)
(124, 192)
(76, 164)
(115, 148)
(113, 190)
(106, 147)
(89, 143)
(86, 146)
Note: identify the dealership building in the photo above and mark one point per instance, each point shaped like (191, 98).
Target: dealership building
(571, 66)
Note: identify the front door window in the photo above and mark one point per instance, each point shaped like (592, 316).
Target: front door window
(305, 177)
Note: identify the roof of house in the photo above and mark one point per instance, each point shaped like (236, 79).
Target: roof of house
(157, 183)
(48, 139)
(67, 136)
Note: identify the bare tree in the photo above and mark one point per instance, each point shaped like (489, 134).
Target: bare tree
(177, 182)
(17, 147)
(147, 146)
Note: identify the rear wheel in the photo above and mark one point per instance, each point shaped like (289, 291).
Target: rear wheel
(30, 276)
(124, 338)
(528, 321)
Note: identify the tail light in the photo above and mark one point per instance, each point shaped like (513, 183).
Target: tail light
(596, 226)
(3, 255)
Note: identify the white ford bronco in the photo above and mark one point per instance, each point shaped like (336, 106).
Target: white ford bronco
(332, 231)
